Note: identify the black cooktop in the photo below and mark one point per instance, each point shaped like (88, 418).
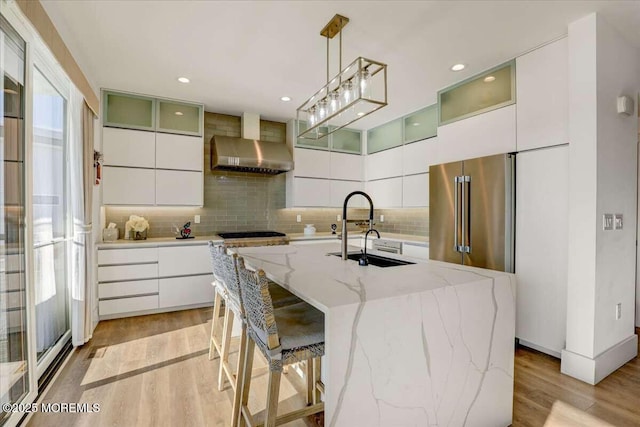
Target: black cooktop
(250, 234)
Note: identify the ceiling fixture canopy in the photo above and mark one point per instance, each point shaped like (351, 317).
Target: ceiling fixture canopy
(355, 92)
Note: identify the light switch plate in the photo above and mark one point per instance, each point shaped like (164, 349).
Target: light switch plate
(617, 221)
(607, 222)
(381, 218)
(298, 218)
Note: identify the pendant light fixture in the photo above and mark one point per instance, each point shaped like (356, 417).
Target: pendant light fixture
(355, 92)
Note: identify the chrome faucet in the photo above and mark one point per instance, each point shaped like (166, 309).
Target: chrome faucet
(345, 221)
(363, 260)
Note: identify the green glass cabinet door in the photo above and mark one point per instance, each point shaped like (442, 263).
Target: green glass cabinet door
(422, 124)
(321, 143)
(347, 141)
(482, 93)
(128, 111)
(179, 117)
(383, 137)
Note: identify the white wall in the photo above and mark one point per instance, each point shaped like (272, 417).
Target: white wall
(601, 264)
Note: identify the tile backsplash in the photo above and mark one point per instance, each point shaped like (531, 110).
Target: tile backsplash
(237, 201)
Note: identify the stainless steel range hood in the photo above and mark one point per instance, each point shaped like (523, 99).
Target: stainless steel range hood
(248, 154)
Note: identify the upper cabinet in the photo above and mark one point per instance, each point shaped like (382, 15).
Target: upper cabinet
(347, 141)
(180, 117)
(543, 96)
(129, 111)
(153, 151)
(482, 93)
(421, 125)
(141, 112)
(320, 143)
(388, 135)
(343, 140)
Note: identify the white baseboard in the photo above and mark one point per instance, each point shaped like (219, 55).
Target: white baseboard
(539, 348)
(592, 371)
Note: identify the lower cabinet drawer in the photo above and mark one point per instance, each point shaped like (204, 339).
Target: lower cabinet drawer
(122, 289)
(116, 273)
(127, 305)
(186, 291)
(127, 256)
(182, 260)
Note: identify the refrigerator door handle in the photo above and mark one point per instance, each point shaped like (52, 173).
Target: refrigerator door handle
(456, 182)
(465, 247)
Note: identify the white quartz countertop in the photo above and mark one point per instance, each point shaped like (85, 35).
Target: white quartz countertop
(158, 241)
(409, 238)
(326, 281)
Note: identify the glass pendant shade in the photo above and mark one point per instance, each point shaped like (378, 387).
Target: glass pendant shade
(357, 91)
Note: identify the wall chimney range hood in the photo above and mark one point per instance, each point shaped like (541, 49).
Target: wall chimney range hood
(248, 154)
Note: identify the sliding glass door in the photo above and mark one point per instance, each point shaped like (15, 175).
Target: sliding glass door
(14, 368)
(50, 222)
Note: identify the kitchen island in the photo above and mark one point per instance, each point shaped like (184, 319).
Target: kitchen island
(427, 344)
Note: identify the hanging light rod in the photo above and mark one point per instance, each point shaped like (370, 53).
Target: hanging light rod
(353, 93)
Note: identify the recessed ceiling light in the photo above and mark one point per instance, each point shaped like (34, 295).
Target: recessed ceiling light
(457, 67)
(360, 114)
(183, 80)
(179, 113)
(285, 99)
(489, 79)
(416, 124)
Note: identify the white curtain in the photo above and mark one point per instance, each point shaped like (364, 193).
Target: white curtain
(81, 247)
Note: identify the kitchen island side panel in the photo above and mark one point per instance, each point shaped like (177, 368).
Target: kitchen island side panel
(442, 357)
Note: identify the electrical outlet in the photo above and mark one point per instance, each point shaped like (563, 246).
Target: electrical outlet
(381, 218)
(338, 218)
(607, 222)
(298, 218)
(617, 222)
(618, 311)
(196, 219)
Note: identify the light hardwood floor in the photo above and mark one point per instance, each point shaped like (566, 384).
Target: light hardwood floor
(154, 371)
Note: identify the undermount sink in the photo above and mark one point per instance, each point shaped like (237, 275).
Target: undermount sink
(377, 260)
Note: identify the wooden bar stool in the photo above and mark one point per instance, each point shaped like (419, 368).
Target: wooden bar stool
(285, 335)
(225, 266)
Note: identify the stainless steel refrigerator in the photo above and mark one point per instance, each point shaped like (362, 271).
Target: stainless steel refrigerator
(471, 212)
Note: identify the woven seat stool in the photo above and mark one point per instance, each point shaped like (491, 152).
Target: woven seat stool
(285, 335)
(220, 294)
(224, 264)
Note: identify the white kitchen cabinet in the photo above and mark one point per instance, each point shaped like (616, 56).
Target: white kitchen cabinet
(415, 251)
(134, 287)
(415, 190)
(384, 164)
(416, 156)
(481, 135)
(126, 147)
(127, 256)
(179, 152)
(113, 307)
(386, 193)
(311, 192)
(179, 188)
(341, 189)
(184, 260)
(542, 87)
(115, 273)
(128, 186)
(311, 163)
(189, 290)
(348, 167)
(542, 214)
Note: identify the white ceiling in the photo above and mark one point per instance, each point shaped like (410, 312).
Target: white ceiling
(243, 56)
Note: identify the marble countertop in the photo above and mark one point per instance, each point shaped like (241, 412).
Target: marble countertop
(326, 282)
(409, 238)
(158, 241)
